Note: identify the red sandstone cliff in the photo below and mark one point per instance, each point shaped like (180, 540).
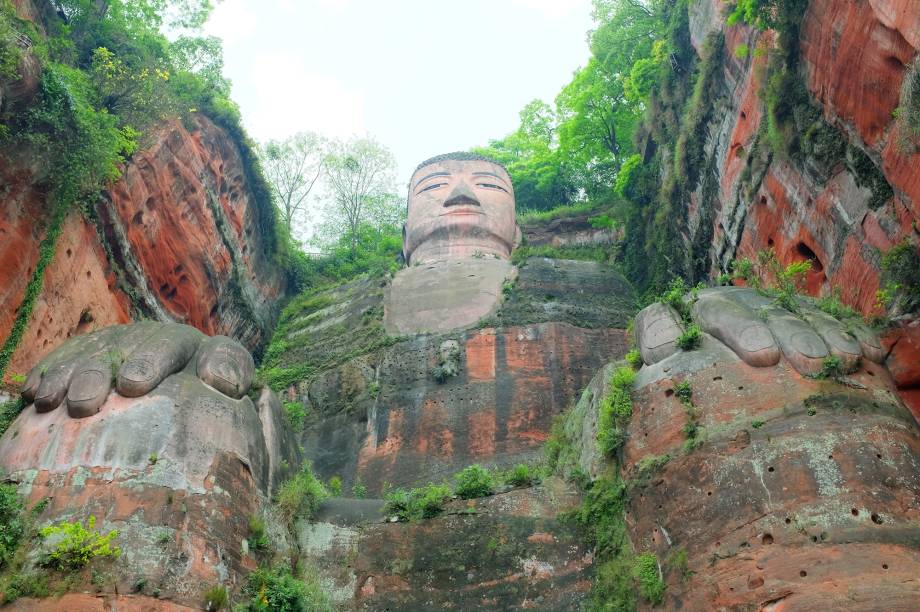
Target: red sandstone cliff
(855, 56)
(181, 236)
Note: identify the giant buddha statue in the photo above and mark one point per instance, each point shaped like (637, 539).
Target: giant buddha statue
(459, 234)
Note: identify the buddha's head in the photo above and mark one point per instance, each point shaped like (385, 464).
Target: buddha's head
(460, 205)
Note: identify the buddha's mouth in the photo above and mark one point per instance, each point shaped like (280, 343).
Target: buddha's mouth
(466, 210)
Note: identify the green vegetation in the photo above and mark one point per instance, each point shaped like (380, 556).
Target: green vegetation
(831, 367)
(295, 413)
(757, 424)
(358, 490)
(634, 358)
(301, 496)
(417, 504)
(258, 535)
(615, 411)
(833, 305)
(691, 428)
(76, 545)
(473, 481)
(901, 275)
(108, 77)
(12, 527)
(691, 338)
(908, 111)
(215, 598)
(335, 486)
(521, 475)
(276, 589)
(8, 413)
(581, 253)
(298, 351)
(647, 572)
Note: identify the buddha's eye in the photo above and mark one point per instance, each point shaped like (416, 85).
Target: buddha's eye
(491, 186)
(434, 186)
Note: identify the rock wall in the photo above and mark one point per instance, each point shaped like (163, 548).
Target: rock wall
(855, 56)
(379, 410)
(179, 237)
(841, 211)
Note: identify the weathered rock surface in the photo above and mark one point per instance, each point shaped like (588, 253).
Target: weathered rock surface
(440, 296)
(180, 237)
(177, 470)
(856, 55)
(508, 551)
(791, 487)
(390, 416)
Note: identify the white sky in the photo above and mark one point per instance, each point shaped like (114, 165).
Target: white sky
(422, 76)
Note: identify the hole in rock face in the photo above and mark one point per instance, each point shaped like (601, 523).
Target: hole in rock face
(870, 372)
(763, 199)
(716, 378)
(708, 493)
(876, 519)
(69, 253)
(767, 539)
(743, 115)
(854, 511)
(770, 469)
(803, 573)
(669, 392)
(788, 520)
(814, 539)
(770, 242)
(741, 388)
(138, 218)
(895, 63)
(878, 455)
(805, 251)
(884, 566)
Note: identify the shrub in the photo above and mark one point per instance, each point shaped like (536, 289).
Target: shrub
(647, 573)
(416, 504)
(258, 536)
(301, 496)
(521, 475)
(32, 584)
(474, 481)
(215, 598)
(831, 367)
(634, 358)
(901, 274)
(77, 545)
(833, 305)
(295, 413)
(11, 522)
(690, 339)
(276, 590)
(335, 486)
(615, 411)
(358, 490)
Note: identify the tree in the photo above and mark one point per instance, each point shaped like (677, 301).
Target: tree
(357, 172)
(293, 166)
(532, 158)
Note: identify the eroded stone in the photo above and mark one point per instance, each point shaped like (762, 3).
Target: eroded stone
(657, 329)
(738, 327)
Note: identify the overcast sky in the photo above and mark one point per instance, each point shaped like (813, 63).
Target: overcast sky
(422, 76)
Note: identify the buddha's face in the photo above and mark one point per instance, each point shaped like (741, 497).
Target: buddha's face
(460, 209)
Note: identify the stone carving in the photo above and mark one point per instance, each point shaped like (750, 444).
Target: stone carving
(460, 205)
(759, 332)
(459, 235)
(79, 374)
(769, 472)
(148, 427)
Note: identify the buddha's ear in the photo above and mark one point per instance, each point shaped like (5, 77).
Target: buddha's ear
(518, 237)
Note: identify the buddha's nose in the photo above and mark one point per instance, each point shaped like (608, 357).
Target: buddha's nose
(462, 195)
